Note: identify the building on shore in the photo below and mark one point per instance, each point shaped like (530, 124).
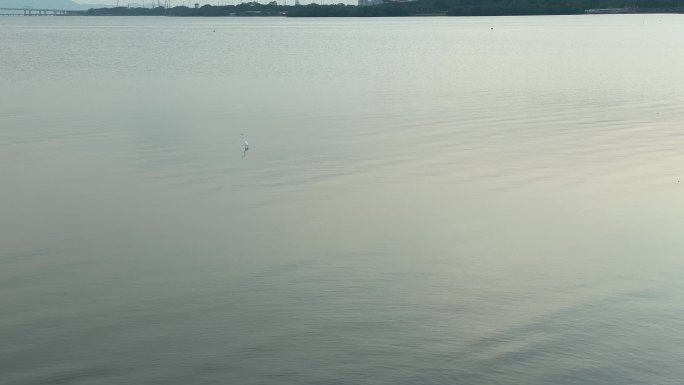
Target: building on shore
(365, 3)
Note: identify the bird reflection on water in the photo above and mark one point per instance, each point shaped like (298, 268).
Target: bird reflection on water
(246, 148)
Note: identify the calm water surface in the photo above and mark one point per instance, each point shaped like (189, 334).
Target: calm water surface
(425, 200)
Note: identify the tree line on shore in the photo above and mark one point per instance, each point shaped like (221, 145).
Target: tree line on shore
(393, 8)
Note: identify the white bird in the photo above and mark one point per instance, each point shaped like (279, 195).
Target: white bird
(246, 142)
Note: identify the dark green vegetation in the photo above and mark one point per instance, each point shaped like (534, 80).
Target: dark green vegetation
(391, 8)
(243, 9)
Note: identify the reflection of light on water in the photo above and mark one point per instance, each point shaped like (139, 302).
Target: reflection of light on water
(497, 206)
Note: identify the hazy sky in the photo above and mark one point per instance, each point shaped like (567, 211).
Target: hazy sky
(203, 2)
(173, 2)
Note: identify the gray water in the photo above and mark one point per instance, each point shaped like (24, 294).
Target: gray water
(424, 200)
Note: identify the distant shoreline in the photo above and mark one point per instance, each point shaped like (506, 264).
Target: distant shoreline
(387, 9)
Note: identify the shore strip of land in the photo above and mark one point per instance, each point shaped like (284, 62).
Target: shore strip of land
(396, 8)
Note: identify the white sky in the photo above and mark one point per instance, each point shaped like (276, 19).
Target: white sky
(173, 2)
(202, 2)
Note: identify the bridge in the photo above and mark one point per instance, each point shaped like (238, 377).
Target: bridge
(37, 12)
